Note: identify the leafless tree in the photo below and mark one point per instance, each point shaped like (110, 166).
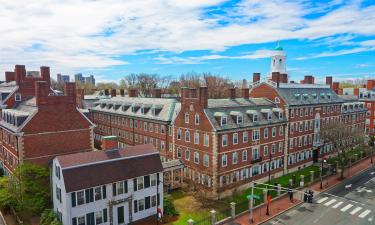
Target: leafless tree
(344, 138)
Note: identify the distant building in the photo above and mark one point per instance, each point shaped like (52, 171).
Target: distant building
(114, 186)
(36, 125)
(62, 78)
(90, 80)
(79, 78)
(32, 74)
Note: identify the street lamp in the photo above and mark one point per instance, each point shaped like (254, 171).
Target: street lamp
(269, 181)
(372, 152)
(321, 173)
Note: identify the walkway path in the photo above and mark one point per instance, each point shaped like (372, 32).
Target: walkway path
(282, 204)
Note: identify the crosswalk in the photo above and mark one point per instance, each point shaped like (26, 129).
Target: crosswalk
(346, 206)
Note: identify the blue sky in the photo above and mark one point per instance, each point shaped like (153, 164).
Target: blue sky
(112, 38)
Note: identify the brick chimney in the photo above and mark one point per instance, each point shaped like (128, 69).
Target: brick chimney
(70, 89)
(203, 96)
(309, 79)
(356, 92)
(275, 77)
(370, 84)
(122, 92)
(19, 73)
(113, 92)
(133, 92)
(245, 93)
(256, 77)
(157, 93)
(45, 74)
(329, 81)
(283, 78)
(9, 76)
(41, 92)
(232, 93)
(335, 87)
(192, 93)
(106, 92)
(109, 142)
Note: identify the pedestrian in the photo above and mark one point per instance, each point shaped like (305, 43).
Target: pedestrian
(290, 193)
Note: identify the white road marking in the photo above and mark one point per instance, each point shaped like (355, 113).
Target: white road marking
(337, 205)
(346, 207)
(348, 186)
(322, 200)
(364, 214)
(330, 202)
(355, 210)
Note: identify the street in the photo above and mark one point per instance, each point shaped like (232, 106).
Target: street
(349, 203)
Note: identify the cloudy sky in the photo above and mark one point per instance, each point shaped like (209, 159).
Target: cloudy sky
(111, 38)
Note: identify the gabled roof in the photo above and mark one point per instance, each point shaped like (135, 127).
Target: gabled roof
(95, 168)
(165, 108)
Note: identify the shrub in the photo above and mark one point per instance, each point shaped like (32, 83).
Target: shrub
(49, 217)
(169, 209)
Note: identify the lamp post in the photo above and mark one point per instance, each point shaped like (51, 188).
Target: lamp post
(269, 181)
(321, 174)
(372, 152)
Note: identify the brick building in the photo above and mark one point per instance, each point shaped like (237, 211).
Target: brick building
(225, 143)
(135, 120)
(308, 107)
(37, 125)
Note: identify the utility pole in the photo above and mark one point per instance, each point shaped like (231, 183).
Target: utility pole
(321, 174)
(252, 203)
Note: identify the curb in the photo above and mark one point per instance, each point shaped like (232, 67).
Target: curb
(2, 217)
(268, 219)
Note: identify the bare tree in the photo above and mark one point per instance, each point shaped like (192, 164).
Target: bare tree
(343, 138)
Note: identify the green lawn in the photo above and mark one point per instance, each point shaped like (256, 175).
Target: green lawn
(191, 208)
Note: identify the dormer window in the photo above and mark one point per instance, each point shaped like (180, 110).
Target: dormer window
(17, 97)
(322, 95)
(239, 119)
(305, 96)
(277, 100)
(255, 117)
(280, 115)
(224, 120)
(314, 95)
(329, 96)
(269, 116)
(297, 96)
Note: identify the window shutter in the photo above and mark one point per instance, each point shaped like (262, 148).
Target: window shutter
(158, 199)
(87, 195)
(126, 186)
(74, 203)
(90, 219)
(91, 194)
(104, 190)
(105, 218)
(114, 189)
(147, 202)
(135, 184)
(135, 206)
(147, 181)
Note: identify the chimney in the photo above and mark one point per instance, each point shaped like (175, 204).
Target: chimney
(203, 96)
(232, 93)
(184, 93)
(370, 84)
(41, 91)
(157, 93)
(9, 76)
(192, 93)
(122, 92)
(106, 92)
(20, 73)
(109, 142)
(113, 92)
(329, 81)
(256, 77)
(45, 73)
(276, 78)
(335, 86)
(70, 89)
(356, 92)
(133, 93)
(245, 93)
(309, 79)
(283, 78)
(81, 92)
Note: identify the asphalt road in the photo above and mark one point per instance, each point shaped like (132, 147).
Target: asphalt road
(349, 203)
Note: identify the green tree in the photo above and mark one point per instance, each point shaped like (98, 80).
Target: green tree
(7, 196)
(34, 188)
(49, 217)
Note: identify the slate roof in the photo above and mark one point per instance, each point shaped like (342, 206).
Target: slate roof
(240, 106)
(165, 108)
(95, 168)
(7, 88)
(307, 94)
(15, 119)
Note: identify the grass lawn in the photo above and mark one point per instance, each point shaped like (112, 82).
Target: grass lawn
(189, 207)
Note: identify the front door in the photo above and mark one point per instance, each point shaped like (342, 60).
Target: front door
(122, 214)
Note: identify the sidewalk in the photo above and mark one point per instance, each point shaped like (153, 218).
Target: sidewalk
(283, 204)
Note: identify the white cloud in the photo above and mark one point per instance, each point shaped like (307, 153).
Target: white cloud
(71, 35)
